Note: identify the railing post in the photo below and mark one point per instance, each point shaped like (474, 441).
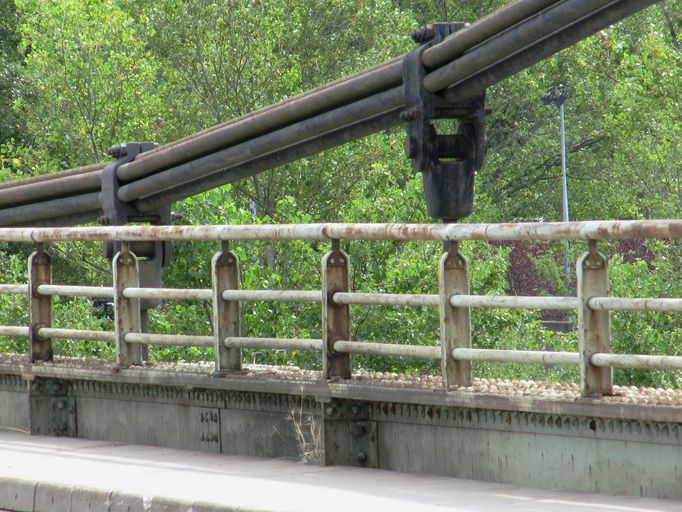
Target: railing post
(594, 327)
(335, 317)
(126, 311)
(455, 323)
(40, 306)
(226, 314)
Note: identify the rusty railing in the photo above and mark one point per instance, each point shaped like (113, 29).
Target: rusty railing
(454, 301)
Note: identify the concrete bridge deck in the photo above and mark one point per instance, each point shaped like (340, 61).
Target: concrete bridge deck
(65, 474)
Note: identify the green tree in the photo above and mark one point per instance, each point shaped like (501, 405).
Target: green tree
(10, 60)
(89, 81)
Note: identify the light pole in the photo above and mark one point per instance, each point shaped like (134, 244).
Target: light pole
(557, 97)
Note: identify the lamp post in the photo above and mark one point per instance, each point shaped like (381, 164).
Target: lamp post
(557, 97)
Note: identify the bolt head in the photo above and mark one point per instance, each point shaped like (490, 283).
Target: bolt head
(331, 410)
(117, 151)
(361, 457)
(61, 405)
(410, 114)
(423, 34)
(358, 430)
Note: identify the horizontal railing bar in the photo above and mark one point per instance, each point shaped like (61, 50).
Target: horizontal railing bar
(177, 340)
(387, 349)
(14, 288)
(514, 301)
(637, 361)
(634, 304)
(168, 293)
(100, 292)
(274, 343)
(585, 230)
(386, 299)
(78, 334)
(13, 330)
(515, 356)
(273, 295)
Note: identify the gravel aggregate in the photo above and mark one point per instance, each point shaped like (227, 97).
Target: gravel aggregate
(499, 387)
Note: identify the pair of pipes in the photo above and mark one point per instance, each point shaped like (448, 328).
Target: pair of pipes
(465, 63)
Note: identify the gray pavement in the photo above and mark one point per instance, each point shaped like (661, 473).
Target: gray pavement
(74, 475)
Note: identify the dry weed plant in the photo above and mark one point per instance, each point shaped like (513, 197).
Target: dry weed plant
(308, 433)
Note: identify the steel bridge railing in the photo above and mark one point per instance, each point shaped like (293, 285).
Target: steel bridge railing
(453, 300)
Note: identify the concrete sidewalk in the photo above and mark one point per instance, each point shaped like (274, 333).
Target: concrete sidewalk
(63, 475)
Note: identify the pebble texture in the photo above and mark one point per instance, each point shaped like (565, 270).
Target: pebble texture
(515, 388)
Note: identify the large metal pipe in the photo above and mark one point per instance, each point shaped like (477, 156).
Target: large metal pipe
(306, 148)
(544, 48)
(66, 220)
(56, 187)
(323, 122)
(53, 175)
(247, 158)
(342, 92)
(49, 209)
(502, 19)
(248, 150)
(584, 230)
(328, 97)
(509, 41)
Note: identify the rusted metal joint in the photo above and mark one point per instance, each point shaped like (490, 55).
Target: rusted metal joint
(448, 162)
(595, 261)
(337, 258)
(42, 258)
(118, 213)
(454, 259)
(432, 30)
(36, 331)
(118, 151)
(330, 299)
(451, 246)
(35, 286)
(423, 34)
